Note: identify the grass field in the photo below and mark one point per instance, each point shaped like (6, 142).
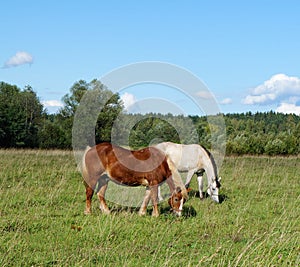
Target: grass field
(42, 221)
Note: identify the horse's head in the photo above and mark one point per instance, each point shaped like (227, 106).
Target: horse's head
(213, 189)
(177, 200)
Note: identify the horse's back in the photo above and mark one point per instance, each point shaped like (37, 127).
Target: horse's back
(126, 166)
(185, 157)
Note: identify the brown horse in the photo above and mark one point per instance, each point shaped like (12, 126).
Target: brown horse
(147, 167)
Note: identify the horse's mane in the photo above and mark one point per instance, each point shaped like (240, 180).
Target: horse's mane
(213, 162)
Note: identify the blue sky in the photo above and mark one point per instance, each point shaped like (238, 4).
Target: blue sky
(246, 52)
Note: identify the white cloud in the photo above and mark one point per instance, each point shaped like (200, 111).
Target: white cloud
(259, 99)
(52, 103)
(205, 95)
(18, 59)
(278, 88)
(288, 108)
(128, 100)
(226, 101)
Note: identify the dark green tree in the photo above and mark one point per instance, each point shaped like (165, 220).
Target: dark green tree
(91, 100)
(51, 134)
(21, 115)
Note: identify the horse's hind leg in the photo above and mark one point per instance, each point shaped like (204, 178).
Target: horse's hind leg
(101, 195)
(189, 178)
(160, 198)
(154, 193)
(146, 200)
(89, 194)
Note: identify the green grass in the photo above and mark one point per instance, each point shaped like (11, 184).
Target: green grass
(42, 221)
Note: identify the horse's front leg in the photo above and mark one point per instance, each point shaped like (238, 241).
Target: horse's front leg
(200, 185)
(144, 205)
(154, 197)
(101, 195)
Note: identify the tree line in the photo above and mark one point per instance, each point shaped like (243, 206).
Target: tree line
(24, 123)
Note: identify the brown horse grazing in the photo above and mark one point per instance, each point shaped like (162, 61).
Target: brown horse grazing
(147, 167)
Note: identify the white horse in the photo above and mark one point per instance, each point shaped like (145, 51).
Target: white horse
(194, 159)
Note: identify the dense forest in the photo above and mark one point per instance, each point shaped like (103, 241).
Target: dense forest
(24, 123)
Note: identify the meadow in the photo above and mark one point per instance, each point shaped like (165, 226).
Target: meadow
(42, 221)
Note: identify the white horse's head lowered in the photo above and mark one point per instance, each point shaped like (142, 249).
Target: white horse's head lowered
(213, 189)
(194, 159)
(206, 160)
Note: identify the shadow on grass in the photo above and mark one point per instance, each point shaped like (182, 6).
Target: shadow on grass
(188, 211)
(223, 198)
(120, 209)
(196, 194)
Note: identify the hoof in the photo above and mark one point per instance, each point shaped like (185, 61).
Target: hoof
(106, 212)
(142, 212)
(87, 212)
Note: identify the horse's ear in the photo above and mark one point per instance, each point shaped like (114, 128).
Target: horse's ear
(189, 189)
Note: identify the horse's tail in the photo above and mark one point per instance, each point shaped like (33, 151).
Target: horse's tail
(177, 178)
(83, 168)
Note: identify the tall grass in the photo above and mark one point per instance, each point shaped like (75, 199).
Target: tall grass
(42, 221)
